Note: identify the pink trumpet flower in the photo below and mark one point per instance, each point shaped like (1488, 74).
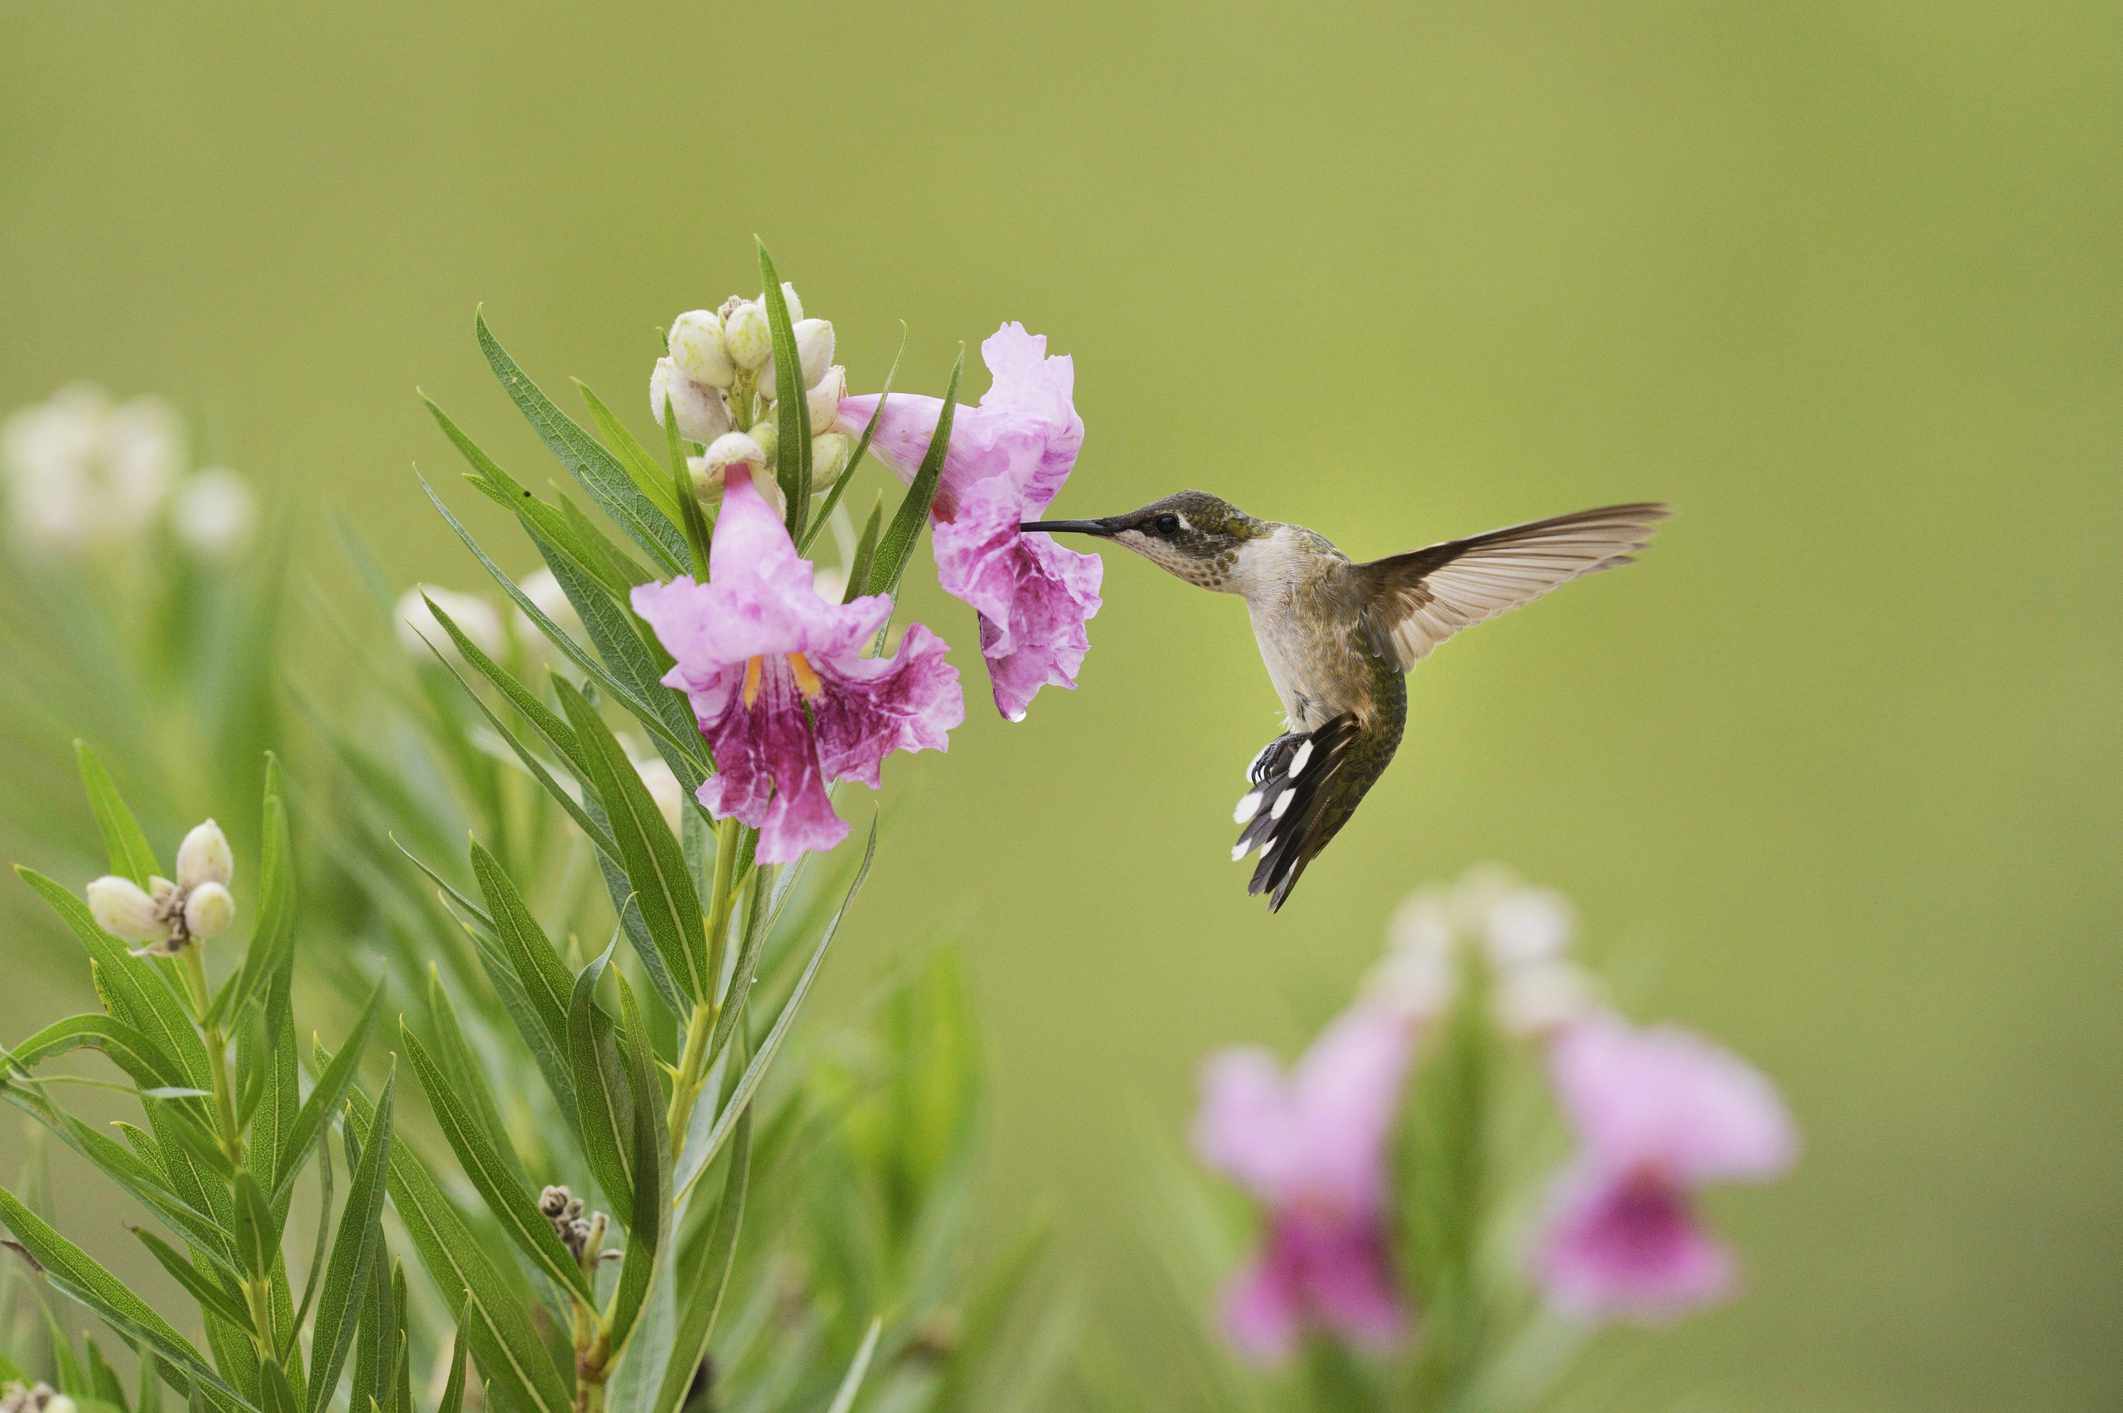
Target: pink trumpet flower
(1658, 1114)
(1007, 461)
(1311, 1146)
(779, 685)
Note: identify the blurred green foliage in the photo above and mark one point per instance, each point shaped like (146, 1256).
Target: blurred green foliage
(1836, 764)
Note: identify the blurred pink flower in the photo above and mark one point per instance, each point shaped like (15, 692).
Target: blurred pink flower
(1007, 461)
(1658, 1113)
(779, 685)
(1312, 1148)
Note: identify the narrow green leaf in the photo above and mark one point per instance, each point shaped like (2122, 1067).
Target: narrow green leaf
(124, 1044)
(272, 941)
(601, 1113)
(497, 1322)
(696, 1321)
(469, 1081)
(693, 519)
(862, 445)
(317, 1255)
(792, 432)
(331, 1087)
(453, 1385)
(897, 546)
(734, 1109)
(645, 1224)
(130, 986)
(130, 854)
(257, 1234)
(354, 1252)
(859, 568)
(634, 458)
(532, 955)
(211, 1294)
(594, 468)
(78, 1275)
(858, 1369)
(495, 1175)
(655, 865)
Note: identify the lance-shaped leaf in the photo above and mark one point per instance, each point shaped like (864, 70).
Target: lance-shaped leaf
(318, 1254)
(272, 941)
(354, 1253)
(130, 854)
(862, 445)
(125, 1045)
(78, 1275)
(792, 433)
(703, 1302)
(634, 458)
(331, 1087)
(645, 1226)
(897, 546)
(468, 1078)
(655, 865)
(858, 1370)
(257, 1234)
(497, 1322)
(603, 1116)
(453, 1384)
(531, 954)
(740, 1100)
(596, 469)
(213, 1294)
(495, 1175)
(130, 987)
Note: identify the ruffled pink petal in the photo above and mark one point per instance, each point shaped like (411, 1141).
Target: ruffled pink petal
(1625, 1244)
(1261, 1310)
(879, 705)
(1245, 1126)
(1033, 596)
(1348, 1089)
(1669, 1099)
(743, 782)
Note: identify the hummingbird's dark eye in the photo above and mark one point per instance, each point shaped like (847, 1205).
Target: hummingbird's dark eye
(1166, 525)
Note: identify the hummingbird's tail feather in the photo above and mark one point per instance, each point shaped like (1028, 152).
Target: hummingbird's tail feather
(1305, 786)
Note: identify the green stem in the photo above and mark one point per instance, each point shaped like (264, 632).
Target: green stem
(216, 1055)
(692, 1060)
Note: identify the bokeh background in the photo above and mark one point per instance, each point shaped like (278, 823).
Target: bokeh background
(1834, 770)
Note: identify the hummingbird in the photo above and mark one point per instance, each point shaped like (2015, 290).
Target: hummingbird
(1338, 638)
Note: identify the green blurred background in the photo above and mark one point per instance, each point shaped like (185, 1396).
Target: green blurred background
(1836, 767)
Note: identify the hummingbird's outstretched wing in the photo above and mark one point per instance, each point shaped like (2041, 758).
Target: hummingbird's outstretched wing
(1414, 601)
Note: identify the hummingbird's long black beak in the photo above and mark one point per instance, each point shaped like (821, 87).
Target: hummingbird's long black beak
(1105, 528)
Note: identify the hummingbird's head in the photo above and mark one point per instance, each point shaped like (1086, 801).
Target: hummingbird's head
(1193, 535)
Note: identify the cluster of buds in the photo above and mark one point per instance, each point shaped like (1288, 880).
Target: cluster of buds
(166, 917)
(718, 379)
(33, 1398)
(1520, 935)
(84, 471)
(582, 1232)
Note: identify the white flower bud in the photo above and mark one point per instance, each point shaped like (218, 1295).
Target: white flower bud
(830, 454)
(58, 1403)
(814, 354)
(697, 348)
(730, 449)
(214, 513)
(767, 432)
(417, 627)
(122, 908)
(822, 402)
(208, 911)
(204, 857)
(699, 409)
(746, 335)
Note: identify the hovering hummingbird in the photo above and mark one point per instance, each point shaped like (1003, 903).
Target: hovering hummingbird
(1337, 638)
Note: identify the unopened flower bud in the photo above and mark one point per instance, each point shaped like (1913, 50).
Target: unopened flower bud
(767, 432)
(830, 454)
(58, 1403)
(731, 449)
(122, 908)
(814, 354)
(696, 347)
(417, 627)
(697, 408)
(214, 513)
(208, 911)
(204, 857)
(822, 402)
(553, 1201)
(746, 335)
